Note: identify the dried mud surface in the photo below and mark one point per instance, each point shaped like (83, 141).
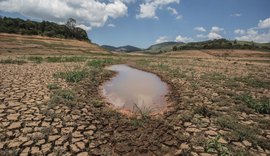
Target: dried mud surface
(203, 97)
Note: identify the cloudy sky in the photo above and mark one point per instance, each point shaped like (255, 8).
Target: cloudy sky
(145, 22)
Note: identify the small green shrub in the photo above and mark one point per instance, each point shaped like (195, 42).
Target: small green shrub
(65, 94)
(102, 62)
(61, 96)
(72, 76)
(35, 59)
(52, 86)
(97, 103)
(213, 146)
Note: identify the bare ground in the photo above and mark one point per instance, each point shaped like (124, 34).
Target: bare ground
(211, 111)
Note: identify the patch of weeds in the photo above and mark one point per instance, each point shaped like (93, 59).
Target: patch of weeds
(186, 116)
(203, 110)
(99, 63)
(135, 122)
(72, 76)
(52, 86)
(143, 62)
(177, 73)
(60, 96)
(36, 59)
(97, 103)
(263, 123)
(243, 108)
(199, 139)
(12, 61)
(213, 146)
(231, 83)
(143, 112)
(163, 67)
(214, 76)
(253, 82)
(260, 106)
(240, 131)
(65, 94)
(66, 59)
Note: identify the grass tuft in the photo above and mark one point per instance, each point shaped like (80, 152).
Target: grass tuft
(72, 76)
(260, 106)
(12, 61)
(36, 59)
(52, 86)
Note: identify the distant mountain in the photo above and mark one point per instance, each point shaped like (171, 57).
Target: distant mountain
(109, 48)
(127, 48)
(163, 47)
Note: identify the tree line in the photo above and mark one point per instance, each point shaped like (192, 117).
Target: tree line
(44, 28)
(222, 44)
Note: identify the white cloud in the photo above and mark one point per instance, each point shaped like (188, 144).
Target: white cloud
(162, 39)
(260, 34)
(254, 35)
(90, 13)
(180, 38)
(264, 23)
(147, 11)
(213, 35)
(236, 15)
(239, 31)
(149, 7)
(86, 28)
(172, 10)
(202, 29)
(179, 17)
(111, 25)
(201, 36)
(216, 29)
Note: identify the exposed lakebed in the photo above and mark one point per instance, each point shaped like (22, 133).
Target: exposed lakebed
(131, 89)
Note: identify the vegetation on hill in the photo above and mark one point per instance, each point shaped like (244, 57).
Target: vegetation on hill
(163, 47)
(222, 44)
(127, 48)
(44, 28)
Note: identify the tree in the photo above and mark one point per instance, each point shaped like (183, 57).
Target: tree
(71, 23)
(174, 48)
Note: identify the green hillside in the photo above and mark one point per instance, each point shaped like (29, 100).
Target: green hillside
(210, 44)
(44, 28)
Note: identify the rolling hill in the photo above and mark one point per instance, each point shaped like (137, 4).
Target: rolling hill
(127, 48)
(162, 47)
(26, 44)
(207, 45)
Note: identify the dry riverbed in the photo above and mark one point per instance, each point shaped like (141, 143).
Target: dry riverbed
(52, 106)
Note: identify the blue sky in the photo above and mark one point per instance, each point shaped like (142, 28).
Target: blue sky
(146, 22)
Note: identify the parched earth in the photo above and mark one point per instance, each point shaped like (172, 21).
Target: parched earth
(208, 114)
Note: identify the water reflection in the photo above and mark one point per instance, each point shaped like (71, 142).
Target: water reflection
(135, 87)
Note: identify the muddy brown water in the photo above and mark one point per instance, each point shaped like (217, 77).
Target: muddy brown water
(131, 89)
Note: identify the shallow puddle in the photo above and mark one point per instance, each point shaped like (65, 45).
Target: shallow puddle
(132, 88)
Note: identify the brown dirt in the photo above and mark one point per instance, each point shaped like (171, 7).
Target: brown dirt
(203, 92)
(11, 44)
